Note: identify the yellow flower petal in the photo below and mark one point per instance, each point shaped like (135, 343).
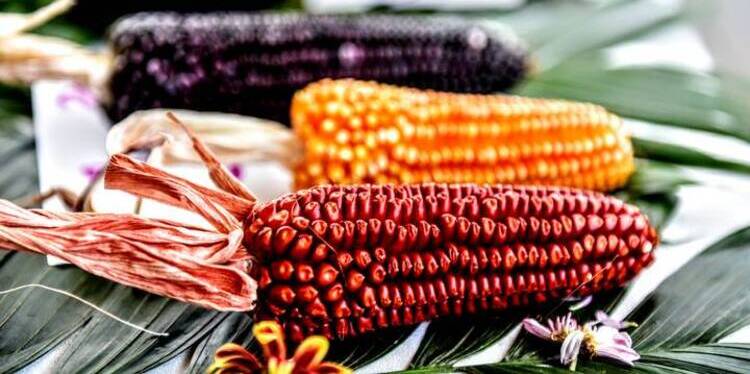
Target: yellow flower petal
(271, 338)
(280, 367)
(233, 358)
(311, 352)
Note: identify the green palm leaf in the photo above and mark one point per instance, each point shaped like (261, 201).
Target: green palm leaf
(17, 152)
(107, 345)
(14, 104)
(701, 303)
(32, 324)
(234, 328)
(681, 155)
(36, 322)
(709, 358)
(602, 26)
(448, 341)
(359, 352)
(653, 188)
(58, 27)
(669, 96)
(558, 30)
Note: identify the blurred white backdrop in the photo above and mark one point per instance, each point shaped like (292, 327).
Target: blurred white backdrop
(724, 26)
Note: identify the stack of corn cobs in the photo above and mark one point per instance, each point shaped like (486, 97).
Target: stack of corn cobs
(418, 204)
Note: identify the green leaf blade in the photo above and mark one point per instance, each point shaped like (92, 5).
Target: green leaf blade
(358, 352)
(447, 341)
(234, 328)
(33, 322)
(107, 345)
(669, 96)
(681, 155)
(702, 302)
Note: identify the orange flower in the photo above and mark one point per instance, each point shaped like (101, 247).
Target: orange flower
(308, 358)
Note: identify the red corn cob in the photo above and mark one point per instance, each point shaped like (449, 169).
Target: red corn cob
(346, 260)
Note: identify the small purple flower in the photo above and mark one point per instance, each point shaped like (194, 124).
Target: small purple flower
(599, 338)
(556, 330)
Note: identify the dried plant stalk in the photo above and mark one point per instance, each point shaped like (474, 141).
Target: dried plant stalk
(13, 24)
(27, 58)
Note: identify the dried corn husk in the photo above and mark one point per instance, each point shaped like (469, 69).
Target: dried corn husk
(233, 138)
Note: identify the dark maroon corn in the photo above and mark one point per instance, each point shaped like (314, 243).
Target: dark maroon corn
(253, 63)
(347, 260)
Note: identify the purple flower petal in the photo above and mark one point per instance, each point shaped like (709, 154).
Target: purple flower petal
(623, 338)
(614, 344)
(619, 353)
(563, 323)
(581, 304)
(605, 334)
(537, 329)
(606, 320)
(571, 346)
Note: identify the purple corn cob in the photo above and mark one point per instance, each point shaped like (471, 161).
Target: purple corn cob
(253, 63)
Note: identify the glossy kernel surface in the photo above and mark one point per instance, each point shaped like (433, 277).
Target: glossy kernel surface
(366, 132)
(347, 260)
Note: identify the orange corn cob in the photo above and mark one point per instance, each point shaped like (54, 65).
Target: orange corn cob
(365, 132)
